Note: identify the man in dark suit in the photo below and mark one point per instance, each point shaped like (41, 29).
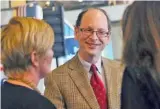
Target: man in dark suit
(71, 86)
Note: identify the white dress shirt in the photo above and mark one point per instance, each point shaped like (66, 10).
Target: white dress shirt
(99, 66)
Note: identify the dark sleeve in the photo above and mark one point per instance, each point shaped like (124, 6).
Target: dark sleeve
(37, 101)
(131, 97)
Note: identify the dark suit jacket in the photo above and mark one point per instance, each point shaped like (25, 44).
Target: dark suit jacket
(69, 87)
(139, 91)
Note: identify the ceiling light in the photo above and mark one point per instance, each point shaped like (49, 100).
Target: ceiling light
(80, 0)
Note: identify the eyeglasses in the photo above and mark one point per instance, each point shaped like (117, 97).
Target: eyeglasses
(99, 33)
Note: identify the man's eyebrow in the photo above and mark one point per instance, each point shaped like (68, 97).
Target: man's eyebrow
(101, 29)
(89, 27)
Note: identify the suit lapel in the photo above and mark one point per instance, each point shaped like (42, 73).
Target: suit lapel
(107, 74)
(80, 78)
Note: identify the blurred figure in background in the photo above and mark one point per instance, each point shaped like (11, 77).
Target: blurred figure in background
(88, 80)
(26, 46)
(141, 33)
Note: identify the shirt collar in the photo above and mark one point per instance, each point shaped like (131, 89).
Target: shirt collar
(87, 65)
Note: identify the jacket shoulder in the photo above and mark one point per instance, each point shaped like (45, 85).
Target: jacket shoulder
(62, 68)
(113, 63)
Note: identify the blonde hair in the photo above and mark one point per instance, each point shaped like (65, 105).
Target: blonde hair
(19, 38)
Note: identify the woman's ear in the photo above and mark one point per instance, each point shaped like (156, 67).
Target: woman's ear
(35, 59)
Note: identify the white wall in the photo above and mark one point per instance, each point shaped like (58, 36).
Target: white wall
(117, 44)
(4, 4)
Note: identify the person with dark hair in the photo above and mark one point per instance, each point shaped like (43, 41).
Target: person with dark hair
(88, 80)
(141, 34)
(26, 45)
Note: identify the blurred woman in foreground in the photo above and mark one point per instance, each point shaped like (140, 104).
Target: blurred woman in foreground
(141, 33)
(26, 46)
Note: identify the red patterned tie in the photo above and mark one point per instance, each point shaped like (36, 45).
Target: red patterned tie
(98, 88)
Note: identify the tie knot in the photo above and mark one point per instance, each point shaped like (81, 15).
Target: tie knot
(93, 67)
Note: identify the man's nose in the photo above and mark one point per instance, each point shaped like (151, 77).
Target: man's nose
(94, 35)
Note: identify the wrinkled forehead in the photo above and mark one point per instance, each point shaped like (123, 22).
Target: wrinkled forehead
(94, 18)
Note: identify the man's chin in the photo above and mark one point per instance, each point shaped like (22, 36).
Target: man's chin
(93, 53)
